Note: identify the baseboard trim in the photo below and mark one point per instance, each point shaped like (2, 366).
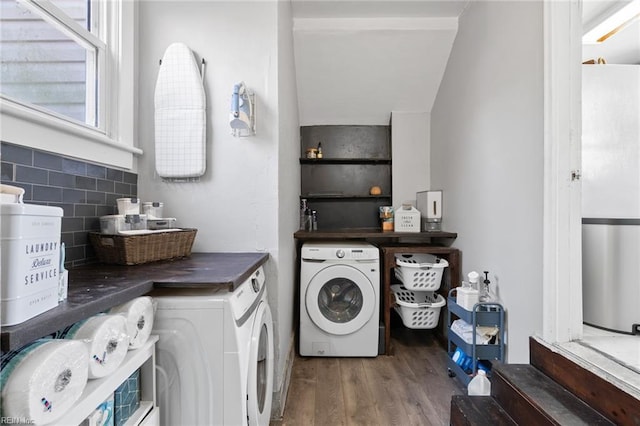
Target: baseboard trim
(280, 396)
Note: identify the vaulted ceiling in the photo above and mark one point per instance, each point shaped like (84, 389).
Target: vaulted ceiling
(356, 61)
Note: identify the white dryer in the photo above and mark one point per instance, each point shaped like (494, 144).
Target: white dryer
(215, 355)
(339, 299)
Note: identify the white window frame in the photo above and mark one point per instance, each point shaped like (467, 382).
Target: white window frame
(112, 143)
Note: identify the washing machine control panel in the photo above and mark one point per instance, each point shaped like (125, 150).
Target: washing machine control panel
(246, 293)
(330, 252)
(360, 254)
(354, 254)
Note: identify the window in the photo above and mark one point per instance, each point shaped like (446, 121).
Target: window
(52, 59)
(67, 77)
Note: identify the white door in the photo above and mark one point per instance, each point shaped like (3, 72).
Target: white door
(340, 299)
(261, 364)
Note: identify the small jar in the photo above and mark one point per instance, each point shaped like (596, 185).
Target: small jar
(153, 210)
(128, 206)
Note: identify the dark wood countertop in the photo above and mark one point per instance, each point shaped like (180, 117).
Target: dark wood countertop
(96, 288)
(377, 235)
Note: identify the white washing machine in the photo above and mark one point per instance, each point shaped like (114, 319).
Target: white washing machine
(339, 299)
(215, 355)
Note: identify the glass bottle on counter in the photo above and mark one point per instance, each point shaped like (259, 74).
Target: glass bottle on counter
(307, 220)
(485, 295)
(303, 209)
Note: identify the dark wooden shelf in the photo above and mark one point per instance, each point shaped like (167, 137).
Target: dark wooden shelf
(345, 197)
(318, 161)
(373, 234)
(337, 186)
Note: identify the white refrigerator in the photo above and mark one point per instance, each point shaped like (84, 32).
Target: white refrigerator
(611, 196)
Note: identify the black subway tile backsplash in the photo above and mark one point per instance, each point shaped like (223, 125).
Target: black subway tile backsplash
(67, 209)
(67, 239)
(31, 175)
(112, 200)
(95, 197)
(131, 178)
(83, 210)
(96, 171)
(47, 161)
(80, 239)
(83, 182)
(72, 224)
(17, 154)
(124, 188)
(85, 191)
(74, 167)
(47, 194)
(104, 185)
(28, 189)
(91, 223)
(104, 210)
(7, 171)
(63, 180)
(75, 254)
(75, 196)
(115, 175)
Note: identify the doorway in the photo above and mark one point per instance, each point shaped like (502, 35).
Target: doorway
(562, 287)
(611, 181)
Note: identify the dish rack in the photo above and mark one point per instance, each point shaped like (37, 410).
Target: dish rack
(420, 272)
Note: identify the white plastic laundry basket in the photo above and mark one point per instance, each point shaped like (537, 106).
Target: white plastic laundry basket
(418, 309)
(422, 272)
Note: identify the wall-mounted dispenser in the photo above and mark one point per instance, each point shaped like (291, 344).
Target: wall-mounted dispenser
(430, 206)
(242, 116)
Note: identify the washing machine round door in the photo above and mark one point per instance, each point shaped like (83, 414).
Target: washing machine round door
(340, 299)
(261, 364)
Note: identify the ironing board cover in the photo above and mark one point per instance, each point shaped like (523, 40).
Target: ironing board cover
(180, 121)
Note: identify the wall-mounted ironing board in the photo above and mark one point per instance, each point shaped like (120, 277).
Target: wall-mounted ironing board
(180, 116)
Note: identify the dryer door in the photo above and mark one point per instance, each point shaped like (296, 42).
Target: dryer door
(340, 299)
(261, 365)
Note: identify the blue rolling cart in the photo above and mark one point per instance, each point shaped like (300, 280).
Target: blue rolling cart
(483, 314)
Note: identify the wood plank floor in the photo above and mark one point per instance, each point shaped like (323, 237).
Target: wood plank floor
(411, 387)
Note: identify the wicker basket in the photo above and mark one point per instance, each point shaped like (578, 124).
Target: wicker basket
(138, 249)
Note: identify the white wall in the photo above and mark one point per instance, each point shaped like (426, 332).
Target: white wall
(410, 153)
(241, 204)
(288, 194)
(358, 70)
(487, 155)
